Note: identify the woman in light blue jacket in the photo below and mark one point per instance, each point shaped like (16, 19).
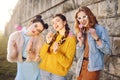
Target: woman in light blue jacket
(93, 44)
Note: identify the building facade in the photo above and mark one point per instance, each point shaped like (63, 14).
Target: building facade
(106, 11)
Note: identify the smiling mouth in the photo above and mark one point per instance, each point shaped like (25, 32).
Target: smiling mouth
(33, 31)
(84, 23)
(56, 26)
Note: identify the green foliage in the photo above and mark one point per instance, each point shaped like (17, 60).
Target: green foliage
(7, 70)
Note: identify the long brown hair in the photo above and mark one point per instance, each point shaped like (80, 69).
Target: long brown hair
(61, 16)
(91, 17)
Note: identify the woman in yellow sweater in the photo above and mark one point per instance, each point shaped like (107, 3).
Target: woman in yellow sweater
(58, 52)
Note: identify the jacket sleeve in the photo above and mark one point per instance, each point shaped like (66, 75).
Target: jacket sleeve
(12, 53)
(30, 44)
(67, 58)
(39, 44)
(105, 46)
(79, 51)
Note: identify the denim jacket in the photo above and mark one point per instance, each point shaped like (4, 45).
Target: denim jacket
(96, 53)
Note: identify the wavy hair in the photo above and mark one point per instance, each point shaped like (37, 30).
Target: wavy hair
(61, 16)
(91, 17)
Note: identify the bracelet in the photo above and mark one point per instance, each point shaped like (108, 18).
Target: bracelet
(97, 39)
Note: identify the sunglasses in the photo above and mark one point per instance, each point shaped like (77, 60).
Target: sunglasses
(82, 18)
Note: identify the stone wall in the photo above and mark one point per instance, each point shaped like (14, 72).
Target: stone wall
(106, 11)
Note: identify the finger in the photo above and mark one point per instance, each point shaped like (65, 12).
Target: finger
(79, 35)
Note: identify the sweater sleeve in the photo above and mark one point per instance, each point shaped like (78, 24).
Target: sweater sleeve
(67, 58)
(105, 46)
(44, 50)
(12, 52)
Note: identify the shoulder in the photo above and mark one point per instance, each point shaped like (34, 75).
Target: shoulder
(71, 36)
(15, 34)
(100, 28)
(97, 26)
(39, 37)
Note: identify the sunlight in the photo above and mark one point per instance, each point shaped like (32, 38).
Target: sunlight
(6, 7)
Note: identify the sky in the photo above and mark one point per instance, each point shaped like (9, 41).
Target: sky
(6, 8)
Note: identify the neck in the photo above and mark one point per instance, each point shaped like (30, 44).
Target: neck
(62, 31)
(27, 33)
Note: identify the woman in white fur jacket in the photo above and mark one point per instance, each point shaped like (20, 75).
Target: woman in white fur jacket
(23, 48)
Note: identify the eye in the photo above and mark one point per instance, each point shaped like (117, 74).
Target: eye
(79, 17)
(35, 25)
(84, 17)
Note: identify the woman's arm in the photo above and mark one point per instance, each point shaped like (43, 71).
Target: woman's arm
(12, 52)
(105, 42)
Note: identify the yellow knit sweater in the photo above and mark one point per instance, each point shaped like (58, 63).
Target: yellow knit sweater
(60, 62)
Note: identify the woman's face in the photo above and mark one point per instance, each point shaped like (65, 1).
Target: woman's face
(35, 29)
(83, 19)
(58, 23)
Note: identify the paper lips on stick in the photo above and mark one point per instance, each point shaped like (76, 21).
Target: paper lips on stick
(80, 26)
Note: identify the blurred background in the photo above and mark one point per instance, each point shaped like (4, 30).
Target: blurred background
(20, 12)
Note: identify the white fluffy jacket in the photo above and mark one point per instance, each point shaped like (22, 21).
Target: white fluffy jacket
(33, 47)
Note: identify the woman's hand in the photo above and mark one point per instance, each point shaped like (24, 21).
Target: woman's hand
(80, 38)
(93, 33)
(95, 36)
(49, 37)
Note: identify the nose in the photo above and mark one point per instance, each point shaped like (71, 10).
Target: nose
(82, 20)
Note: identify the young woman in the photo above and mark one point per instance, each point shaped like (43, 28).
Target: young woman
(93, 44)
(58, 52)
(25, 45)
